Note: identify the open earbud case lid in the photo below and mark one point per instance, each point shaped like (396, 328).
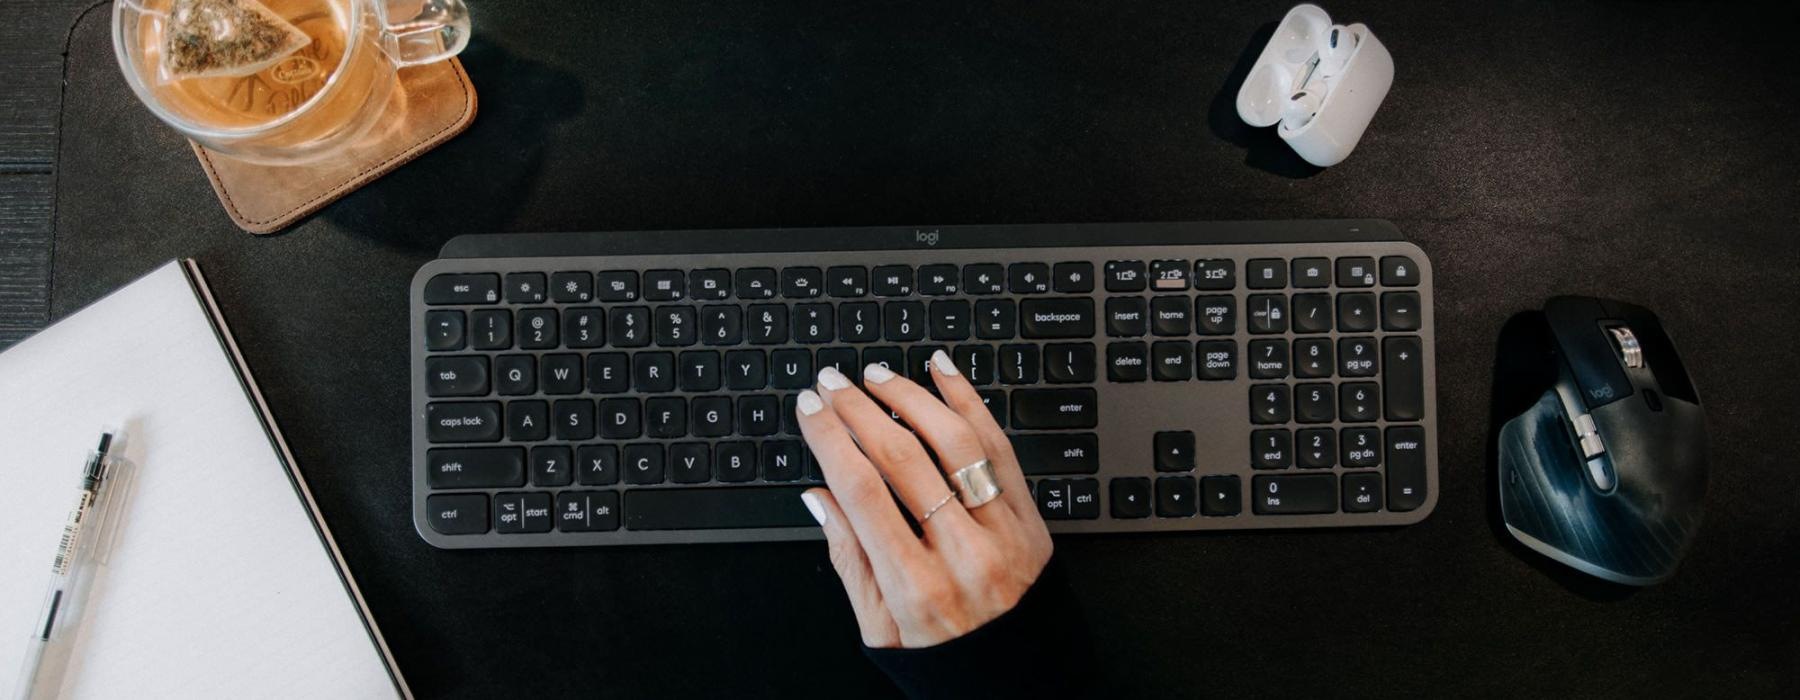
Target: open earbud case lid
(1352, 94)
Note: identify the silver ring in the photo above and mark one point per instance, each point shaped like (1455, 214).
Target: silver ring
(948, 497)
(976, 484)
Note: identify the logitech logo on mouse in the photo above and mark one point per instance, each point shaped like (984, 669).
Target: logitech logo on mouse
(929, 238)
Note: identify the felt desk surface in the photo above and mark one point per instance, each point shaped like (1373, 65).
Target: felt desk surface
(1634, 150)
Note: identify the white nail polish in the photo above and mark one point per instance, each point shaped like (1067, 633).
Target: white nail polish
(816, 506)
(940, 361)
(877, 373)
(833, 380)
(808, 403)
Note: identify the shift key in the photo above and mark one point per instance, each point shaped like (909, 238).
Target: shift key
(1055, 409)
(1057, 453)
(475, 467)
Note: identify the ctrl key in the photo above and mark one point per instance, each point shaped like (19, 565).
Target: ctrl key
(457, 513)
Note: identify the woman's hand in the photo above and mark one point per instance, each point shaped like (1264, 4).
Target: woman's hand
(973, 563)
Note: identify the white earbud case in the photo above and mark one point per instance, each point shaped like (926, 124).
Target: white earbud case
(1287, 66)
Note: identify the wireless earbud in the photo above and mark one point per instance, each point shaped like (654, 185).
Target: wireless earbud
(1319, 82)
(1335, 52)
(1302, 106)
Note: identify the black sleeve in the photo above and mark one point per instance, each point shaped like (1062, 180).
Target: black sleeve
(1021, 654)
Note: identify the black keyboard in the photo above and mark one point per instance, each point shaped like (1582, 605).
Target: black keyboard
(632, 388)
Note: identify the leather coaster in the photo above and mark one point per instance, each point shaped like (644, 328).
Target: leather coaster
(434, 102)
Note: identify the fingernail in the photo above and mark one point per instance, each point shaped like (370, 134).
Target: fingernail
(832, 379)
(940, 361)
(808, 403)
(877, 373)
(816, 506)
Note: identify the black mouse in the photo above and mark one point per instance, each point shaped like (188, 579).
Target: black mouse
(1606, 471)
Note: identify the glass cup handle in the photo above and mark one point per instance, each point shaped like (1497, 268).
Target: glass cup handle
(438, 30)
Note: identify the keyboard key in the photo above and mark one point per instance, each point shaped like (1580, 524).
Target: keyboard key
(537, 329)
(629, 327)
(1169, 275)
(490, 329)
(474, 467)
(1215, 275)
(1356, 312)
(1400, 311)
(608, 373)
(525, 288)
(986, 278)
(1268, 313)
(653, 372)
(1068, 499)
(903, 321)
(976, 362)
(643, 463)
(712, 416)
(950, 320)
(710, 284)
(1043, 454)
(1018, 364)
(859, 322)
(1130, 498)
(1055, 409)
(1266, 273)
(515, 375)
(664, 285)
(756, 283)
(1028, 278)
(721, 325)
(551, 465)
(845, 360)
(892, 281)
(1169, 315)
(584, 328)
(1405, 468)
(1361, 447)
(573, 418)
(1362, 492)
(1294, 494)
(1127, 362)
(616, 285)
(1073, 277)
(938, 280)
(470, 421)
(1269, 403)
(716, 508)
(1217, 314)
(813, 323)
(1268, 359)
(1312, 272)
(1069, 363)
(801, 282)
(462, 289)
(1172, 361)
(571, 287)
(791, 368)
(1356, 357)
(665, 417)
(457, 513)
(587, 511)
(621, 418)
(676, 326)
(1316, 448)
(1399, 271)
(1128, 317)
(690, 463)
(891, 358)
(1216, 360)
(1358, 402)
(597, 465)
(1084, 498)
(444, 330)
(527, 421)
(758, 414)
(1125, 276)
(1312, 313)
(1068, 317)
(1175, 497)
(1313, 358)
(996, 319)
(456, 376)
(782, 460)
(561, 374)
(1220, 496)
(995, 400)
(847, 281)
(768, 324)
(1356, 272)
(1271, 449)
(516, 513)
(735, 461)
(918, 363)
(1314, 403)
(1174, 450)
(1404, 378)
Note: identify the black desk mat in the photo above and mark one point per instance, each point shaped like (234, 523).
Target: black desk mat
(1624, 149)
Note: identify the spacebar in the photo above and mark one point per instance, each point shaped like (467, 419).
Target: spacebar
(709, 509)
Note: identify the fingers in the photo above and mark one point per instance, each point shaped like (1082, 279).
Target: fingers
(852, 564)
(947, 431)
(858, 489)
(894, 450)
(960, 396)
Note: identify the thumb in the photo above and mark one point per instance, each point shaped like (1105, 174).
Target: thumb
(852, 565)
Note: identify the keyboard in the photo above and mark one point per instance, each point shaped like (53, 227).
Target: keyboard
(591, 389)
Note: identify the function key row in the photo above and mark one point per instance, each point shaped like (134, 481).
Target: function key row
(1259, 273)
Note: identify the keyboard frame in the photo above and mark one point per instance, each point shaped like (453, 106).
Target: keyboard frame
(964, 244)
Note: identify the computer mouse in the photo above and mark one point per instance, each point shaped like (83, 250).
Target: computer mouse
(1606, 472)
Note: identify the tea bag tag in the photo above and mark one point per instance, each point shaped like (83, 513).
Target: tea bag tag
(222, 38)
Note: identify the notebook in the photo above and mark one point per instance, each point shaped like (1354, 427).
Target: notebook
(222, 580)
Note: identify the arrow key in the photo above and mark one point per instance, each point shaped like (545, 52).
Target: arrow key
(1131, 498)
(1220, 496)
(1175, 497)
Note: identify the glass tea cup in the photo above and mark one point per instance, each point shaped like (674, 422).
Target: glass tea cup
(305, 106)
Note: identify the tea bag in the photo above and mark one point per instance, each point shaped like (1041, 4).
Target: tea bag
(212, 38)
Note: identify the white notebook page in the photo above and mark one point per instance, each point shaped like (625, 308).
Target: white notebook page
(217, 584)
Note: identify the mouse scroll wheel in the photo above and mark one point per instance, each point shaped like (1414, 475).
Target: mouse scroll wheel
(1627, 345)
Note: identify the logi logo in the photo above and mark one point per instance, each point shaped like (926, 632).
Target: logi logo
(929, 238)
